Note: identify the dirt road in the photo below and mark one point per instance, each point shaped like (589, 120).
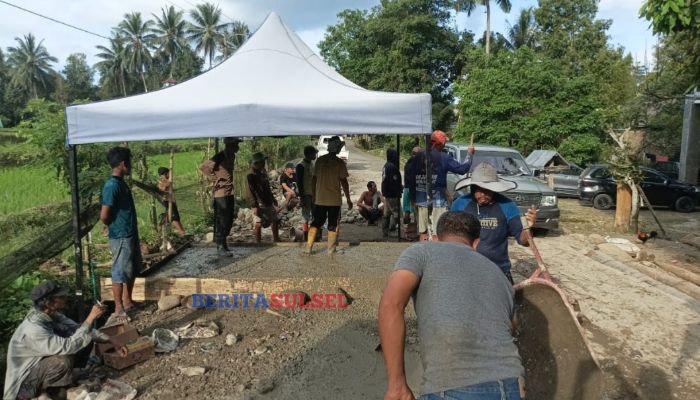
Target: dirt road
(645, 334)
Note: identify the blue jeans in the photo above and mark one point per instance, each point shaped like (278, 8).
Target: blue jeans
(506, 389)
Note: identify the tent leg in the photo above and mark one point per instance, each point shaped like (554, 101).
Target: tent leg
(216, 151)
(398, 150)
(428, 189)
(77, 243)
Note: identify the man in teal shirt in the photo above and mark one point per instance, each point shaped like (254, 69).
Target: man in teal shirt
(119, 214)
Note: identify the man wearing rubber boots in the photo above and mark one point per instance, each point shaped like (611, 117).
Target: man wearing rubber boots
(304, 176)
(330, 173)
(219, 170)
(499, 215)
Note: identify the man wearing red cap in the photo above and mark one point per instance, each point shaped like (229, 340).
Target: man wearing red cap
(441, 165)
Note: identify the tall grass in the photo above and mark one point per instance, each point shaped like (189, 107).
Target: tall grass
(22, 188)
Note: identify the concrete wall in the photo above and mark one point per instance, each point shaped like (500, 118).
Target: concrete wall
(690, 143)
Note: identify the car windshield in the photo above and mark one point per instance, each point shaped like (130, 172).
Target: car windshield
(507, 163)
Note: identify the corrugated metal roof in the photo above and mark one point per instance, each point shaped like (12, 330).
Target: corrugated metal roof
(540, 158)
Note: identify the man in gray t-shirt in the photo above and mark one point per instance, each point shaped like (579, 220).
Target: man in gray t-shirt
(464, 306)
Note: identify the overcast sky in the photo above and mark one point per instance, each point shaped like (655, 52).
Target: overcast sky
(309, 18)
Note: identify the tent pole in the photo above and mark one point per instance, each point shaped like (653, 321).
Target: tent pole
(398, 215)
(428, 191)
(77, 243)
(216, 151)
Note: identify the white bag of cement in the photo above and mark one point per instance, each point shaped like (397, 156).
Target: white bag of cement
(164, 340)
(116, 390)
(623, 244)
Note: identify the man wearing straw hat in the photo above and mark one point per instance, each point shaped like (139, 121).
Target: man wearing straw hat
(499, 215)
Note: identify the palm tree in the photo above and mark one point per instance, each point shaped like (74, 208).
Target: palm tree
(170, 34)
(138, 40)
(523, 32)
(232, 37)
(207, 30)
(30, 64)
(113, 65)
(470, 5)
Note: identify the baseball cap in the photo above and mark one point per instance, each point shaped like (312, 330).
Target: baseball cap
(47, 289)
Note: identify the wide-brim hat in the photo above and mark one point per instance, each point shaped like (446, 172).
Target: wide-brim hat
(232, 139)
(486, 176)
(335, 144)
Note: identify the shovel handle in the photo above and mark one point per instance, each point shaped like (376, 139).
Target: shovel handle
(541, 270)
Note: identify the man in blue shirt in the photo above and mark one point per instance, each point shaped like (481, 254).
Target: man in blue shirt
(499, 215)
(442, 163)
(119, 214)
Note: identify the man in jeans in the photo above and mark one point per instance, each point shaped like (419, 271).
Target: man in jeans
(119, 214)
(391, 190)
(464, 307)
(219, 170)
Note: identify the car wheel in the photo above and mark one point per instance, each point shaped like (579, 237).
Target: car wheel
(684, 204)
(603, 202)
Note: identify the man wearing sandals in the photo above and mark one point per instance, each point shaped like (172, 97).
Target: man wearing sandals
(119, 214)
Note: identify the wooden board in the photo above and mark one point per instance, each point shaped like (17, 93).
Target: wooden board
(150, 288)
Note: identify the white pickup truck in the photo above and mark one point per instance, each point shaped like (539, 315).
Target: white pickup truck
(322, 147)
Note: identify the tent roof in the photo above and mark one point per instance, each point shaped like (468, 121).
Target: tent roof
(274, 85)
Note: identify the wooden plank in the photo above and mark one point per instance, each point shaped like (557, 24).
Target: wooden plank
(150, 288)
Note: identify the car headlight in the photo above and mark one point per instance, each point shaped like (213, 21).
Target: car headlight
(697, 189)
(548, 201)
(593, 188)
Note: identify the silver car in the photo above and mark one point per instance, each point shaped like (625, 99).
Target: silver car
(510, 164)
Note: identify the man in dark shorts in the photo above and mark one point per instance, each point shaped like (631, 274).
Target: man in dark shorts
(499, 215)
(219, 170)
(261, 199)
(330, 174)
(164, 187)
(288, 183)
(44, 348)
(119, 214)
(464, 306)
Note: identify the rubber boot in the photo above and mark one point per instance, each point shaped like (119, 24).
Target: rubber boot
(332, 242)
(275, 233)
(305, 228)
(310, 241)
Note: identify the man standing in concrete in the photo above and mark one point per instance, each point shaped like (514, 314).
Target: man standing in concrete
(119, 214)
(330, 173)
(442, 163)
(304, 175)
(464, 307)
(219, 170)
(261, 199)
(499, 215)
(391, 190)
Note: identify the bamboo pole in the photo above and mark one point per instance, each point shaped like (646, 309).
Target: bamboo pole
(653, 214)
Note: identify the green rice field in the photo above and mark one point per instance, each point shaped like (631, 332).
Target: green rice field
(31, 186)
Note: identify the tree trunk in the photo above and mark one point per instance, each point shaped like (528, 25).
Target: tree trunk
(634, 215)
(623, 206)
(488, 27)
(123, 83)
(143, 79)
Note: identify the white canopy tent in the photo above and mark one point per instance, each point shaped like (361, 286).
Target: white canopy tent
(274, 85)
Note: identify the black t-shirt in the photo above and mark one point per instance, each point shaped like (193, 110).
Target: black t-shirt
(290, 181)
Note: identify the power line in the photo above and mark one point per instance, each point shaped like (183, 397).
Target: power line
(54, 20)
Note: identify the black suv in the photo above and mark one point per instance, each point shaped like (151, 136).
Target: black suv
(598, 188)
